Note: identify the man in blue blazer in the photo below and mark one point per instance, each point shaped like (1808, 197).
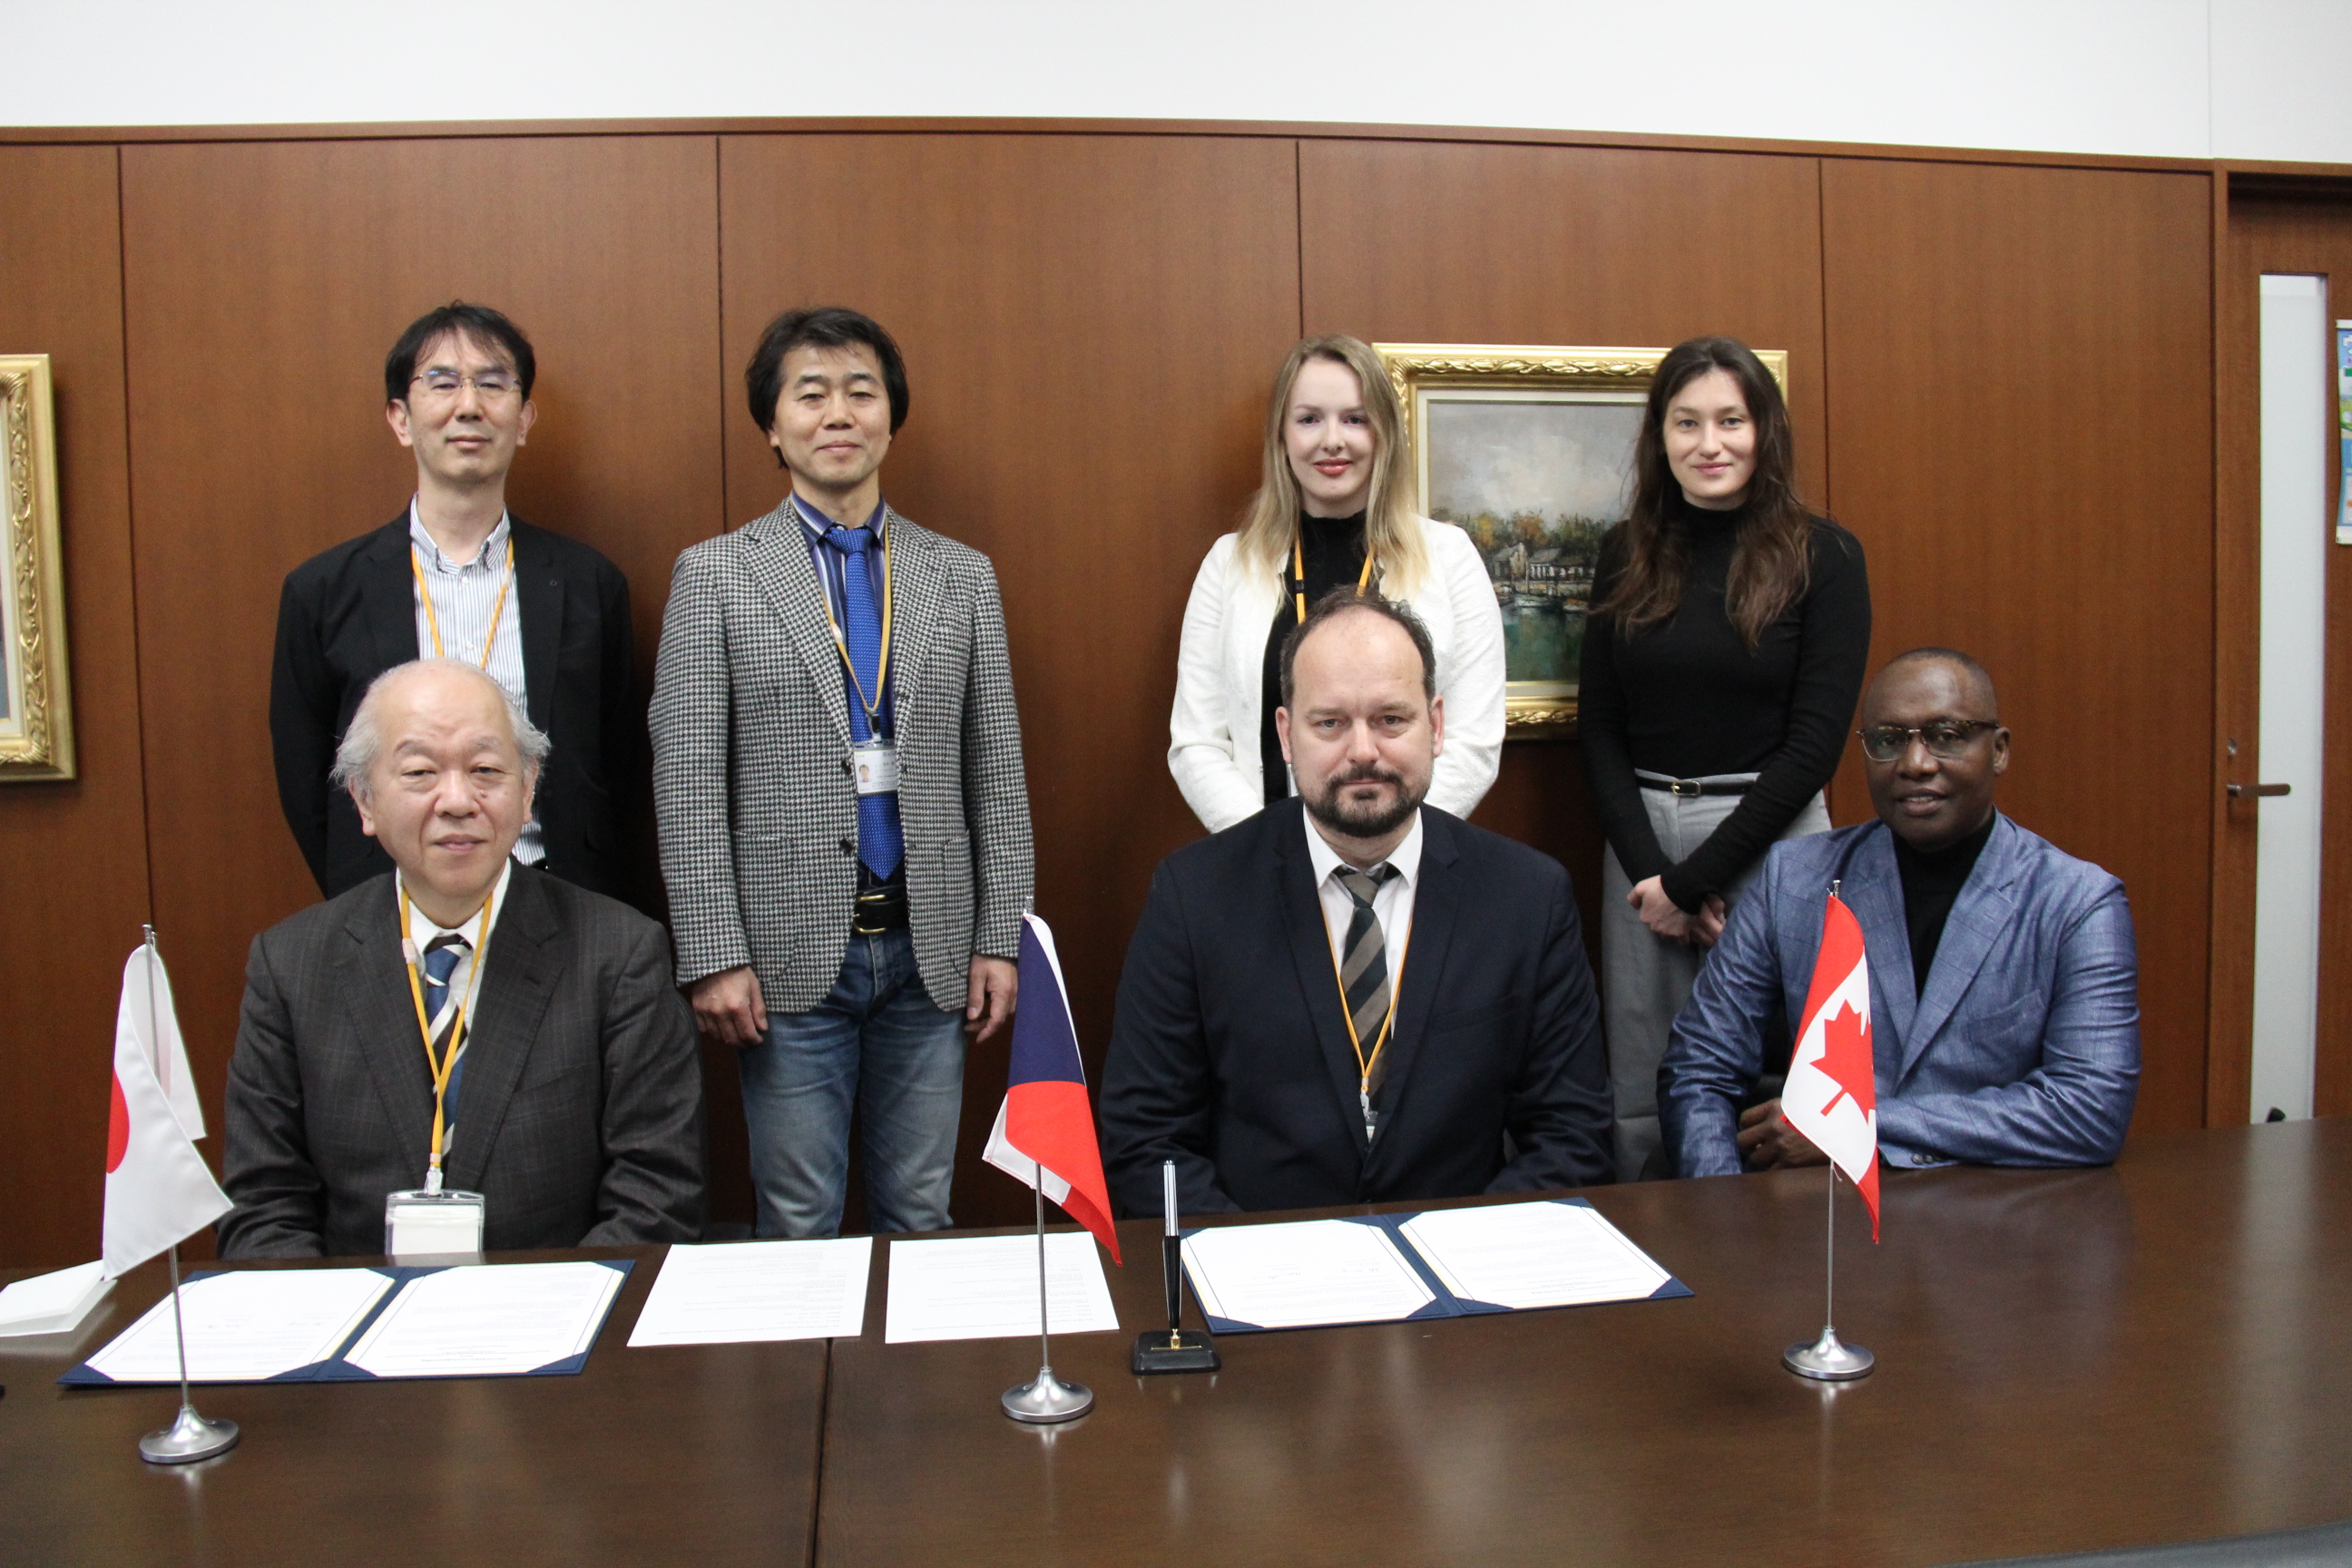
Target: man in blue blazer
(2004, 981)
(1351, 996)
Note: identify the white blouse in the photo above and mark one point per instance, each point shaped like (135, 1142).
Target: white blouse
(1213, 730)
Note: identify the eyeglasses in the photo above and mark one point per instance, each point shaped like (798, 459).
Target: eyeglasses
(493, 384)
(1945, 738)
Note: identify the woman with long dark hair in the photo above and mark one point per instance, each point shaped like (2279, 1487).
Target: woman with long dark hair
(1725, 652)
(1334, 508)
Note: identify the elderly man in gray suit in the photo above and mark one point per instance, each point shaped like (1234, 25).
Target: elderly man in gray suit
(2004, 997)
(463, 1015)
(844, 827)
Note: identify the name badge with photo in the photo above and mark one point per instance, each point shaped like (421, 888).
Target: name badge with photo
(877, 763)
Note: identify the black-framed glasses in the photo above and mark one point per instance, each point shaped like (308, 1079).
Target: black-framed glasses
(492, 384)
(1945, 738)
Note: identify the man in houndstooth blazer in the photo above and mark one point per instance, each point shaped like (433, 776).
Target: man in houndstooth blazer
(833, 933)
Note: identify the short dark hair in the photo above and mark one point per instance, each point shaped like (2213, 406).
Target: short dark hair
(479, 323)
(1342, 601)
(820, 327)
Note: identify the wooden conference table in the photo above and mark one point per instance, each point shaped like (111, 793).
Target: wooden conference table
(2162, 1351)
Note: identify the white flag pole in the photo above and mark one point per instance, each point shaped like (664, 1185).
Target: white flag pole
(1047, 1399)
(192, 1436)
(1829, 1359)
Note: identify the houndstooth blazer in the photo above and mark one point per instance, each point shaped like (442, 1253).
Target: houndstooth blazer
(751, 773)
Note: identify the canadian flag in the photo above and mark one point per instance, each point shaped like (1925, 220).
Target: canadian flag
(1830, 1095)
(158, 1188)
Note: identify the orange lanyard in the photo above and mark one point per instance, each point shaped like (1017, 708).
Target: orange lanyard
(498, 607)
(1298, 577)
(441, 1068)
(840, 646)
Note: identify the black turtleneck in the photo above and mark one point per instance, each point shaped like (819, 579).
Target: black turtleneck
(1932, 880)
(1688, 697)
(1333, 552)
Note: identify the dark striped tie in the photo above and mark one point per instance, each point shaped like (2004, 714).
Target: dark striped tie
(441, 958)
(1364, 976)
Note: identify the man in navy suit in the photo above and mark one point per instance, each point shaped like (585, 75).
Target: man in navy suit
(2003, 977)
(1351, 996)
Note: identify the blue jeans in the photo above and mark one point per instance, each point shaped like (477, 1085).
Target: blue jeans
(879, 1045)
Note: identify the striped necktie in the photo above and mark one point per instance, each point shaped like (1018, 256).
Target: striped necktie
(442, 955)
(881, 839)
(1364, 977)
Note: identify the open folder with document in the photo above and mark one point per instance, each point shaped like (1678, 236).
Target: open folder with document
(1440, 1263)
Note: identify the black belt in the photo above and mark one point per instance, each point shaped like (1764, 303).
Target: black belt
(1690, 789)
(881, 905)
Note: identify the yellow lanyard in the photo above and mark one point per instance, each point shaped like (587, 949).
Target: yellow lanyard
(1364, 1064)
(1298, 577)
(840, 646)
(441, 1068)
(498, 605)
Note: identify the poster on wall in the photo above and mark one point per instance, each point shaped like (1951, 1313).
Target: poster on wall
(2344, 432)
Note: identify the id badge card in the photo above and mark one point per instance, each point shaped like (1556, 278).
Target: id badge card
(878, 768)
(422, 1224)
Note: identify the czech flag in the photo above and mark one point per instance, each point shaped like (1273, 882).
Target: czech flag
(1044, 1131)
(1831, 1094)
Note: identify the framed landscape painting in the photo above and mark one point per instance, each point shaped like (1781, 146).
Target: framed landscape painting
(36, 715)
(1530, 450)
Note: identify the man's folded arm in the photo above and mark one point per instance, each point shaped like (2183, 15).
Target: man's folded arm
(653, 1188)
(2074, 1108)
(1560, 1112)
(1716, 1046)
(265, 1157)
(1157, 1094)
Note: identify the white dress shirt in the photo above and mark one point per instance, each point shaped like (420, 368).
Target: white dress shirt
(465, 594)
(1391, 906)
(421, 932)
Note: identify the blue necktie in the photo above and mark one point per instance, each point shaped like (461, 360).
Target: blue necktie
(440, 962)
(881, 841)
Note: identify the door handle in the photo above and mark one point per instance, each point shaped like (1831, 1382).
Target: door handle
(2259, 792)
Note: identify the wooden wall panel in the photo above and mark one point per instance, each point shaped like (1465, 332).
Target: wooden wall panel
(74, 890)
(2291, 236)
(1420, 242)
(2021, 408)
(1090, 324)
(264, 284)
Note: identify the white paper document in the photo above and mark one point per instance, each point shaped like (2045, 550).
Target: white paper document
(245, 1326)
(985, 1287)
(52, 1303)
(489, 1319)
(746, 1290)
(1532, 1255)
(1302, 1274)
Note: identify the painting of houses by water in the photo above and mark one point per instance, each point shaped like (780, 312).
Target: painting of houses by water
(1535, 478)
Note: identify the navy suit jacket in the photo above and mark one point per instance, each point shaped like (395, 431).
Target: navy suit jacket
(349, 614)
(2022, 1050)
(1229, 1056)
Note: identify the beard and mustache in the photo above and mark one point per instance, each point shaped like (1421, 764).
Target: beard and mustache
(1371, 819)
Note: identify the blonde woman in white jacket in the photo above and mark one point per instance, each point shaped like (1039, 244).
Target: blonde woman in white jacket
(1331, 511)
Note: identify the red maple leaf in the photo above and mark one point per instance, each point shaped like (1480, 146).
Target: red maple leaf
(1845, 1059)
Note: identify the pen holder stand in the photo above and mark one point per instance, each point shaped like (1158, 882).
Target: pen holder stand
(1174, 1350)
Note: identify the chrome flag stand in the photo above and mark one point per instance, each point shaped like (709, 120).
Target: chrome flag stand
(1047, 1399)
(190, 1437)
(1829, 1359)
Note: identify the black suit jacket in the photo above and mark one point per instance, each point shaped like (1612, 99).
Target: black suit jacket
(1228, 1053)
(580, 1116)
(349, 614)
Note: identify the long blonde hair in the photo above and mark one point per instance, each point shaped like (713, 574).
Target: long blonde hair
(1391, 532)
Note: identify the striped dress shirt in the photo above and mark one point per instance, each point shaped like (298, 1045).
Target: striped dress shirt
(464, 595)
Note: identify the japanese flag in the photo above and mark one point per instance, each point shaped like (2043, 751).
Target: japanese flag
(158, 1189)
(1830, 1095)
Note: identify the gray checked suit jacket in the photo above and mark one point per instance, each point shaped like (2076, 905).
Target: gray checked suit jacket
(580, 1120)
(751, 771)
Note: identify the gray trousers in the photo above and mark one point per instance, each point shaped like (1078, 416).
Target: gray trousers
(1645, 979)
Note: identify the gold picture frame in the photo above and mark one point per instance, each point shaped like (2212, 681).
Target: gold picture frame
(36, 701)
(1516, 446)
